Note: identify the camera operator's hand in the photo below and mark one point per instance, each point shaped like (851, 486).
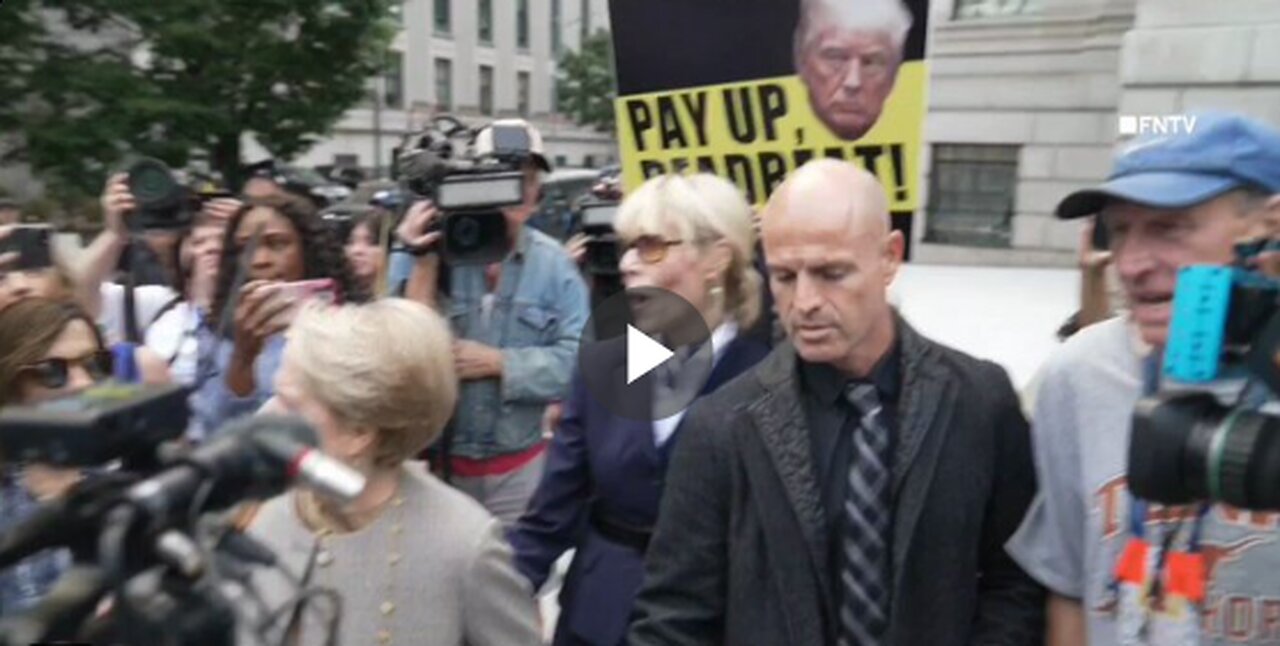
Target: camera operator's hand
(576, 245)
(222, 209)
(1091, 259)
(413, 230)
(117, 203)
(45, 483)
(476, 360)
(259, 315)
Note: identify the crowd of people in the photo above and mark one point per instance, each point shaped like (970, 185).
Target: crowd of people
(844, 480)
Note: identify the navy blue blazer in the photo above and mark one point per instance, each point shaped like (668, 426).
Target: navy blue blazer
(599, 459)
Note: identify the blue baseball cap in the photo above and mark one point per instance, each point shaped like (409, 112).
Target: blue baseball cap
(1219, 152)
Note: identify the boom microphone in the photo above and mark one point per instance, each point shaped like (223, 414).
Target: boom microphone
(252, 458)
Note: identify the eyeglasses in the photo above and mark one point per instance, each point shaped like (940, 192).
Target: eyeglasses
(54, 373)
(651, 249)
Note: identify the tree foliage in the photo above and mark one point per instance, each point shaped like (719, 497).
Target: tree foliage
(585, 87)
(89, 83)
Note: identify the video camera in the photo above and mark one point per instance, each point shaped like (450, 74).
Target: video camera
(135, 529)
(440, 164)
(167, 201)
(602, 255)
(1187, 445)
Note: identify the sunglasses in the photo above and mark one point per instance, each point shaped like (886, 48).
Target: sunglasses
(54, 373)
(651, 249)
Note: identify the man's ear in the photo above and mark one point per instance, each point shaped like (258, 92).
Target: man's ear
(895, 246)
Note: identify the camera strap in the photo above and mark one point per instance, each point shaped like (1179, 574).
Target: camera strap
(132, 333)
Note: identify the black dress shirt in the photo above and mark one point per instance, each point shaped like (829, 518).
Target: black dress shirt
(832, 420)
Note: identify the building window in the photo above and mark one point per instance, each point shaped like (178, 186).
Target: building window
(971, 195)
(443, 17)
(486, 90)
(588, 161)
(557, 40)
(486, 22)
(393, 81)
(522, 24)
(969, 9)
(584, 22)
(444, 83)
(522, 93)
(561, 161)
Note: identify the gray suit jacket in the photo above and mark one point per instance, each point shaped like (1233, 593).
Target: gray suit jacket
(740, 551)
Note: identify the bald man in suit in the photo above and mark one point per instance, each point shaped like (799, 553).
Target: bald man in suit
(856, 487)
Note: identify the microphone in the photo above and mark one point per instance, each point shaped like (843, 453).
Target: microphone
(251, 458)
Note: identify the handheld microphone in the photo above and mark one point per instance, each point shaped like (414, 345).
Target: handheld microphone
(252, 458)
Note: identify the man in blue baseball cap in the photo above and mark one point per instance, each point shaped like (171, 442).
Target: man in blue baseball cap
(1120, 571)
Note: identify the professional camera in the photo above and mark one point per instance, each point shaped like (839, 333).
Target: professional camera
(136, 523)
(1187, 445)
(164, 199)
(470, 188)
(602, 255)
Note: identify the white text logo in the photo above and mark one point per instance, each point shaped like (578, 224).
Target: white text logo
(1149, 124)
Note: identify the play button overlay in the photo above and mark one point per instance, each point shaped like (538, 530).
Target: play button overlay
(646, 354)
(643, 354)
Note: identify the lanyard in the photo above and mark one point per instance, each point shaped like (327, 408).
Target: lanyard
(1184, 570)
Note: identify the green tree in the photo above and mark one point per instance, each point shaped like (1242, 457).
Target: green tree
(585, 87)
(88, 83)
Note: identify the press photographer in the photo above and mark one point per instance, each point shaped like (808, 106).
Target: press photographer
(1121, 569)
(1190, 444)
(517, 319)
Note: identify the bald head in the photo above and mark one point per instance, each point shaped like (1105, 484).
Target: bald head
(829, 193)
(831, 257)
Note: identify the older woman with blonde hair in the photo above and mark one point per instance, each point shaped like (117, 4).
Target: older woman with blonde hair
(414, 560)
(691, 236)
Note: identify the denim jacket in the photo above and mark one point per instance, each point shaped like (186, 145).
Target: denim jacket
(539, 309)
(213, 404)
(25, 583)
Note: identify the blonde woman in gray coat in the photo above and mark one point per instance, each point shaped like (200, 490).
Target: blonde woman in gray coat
(415, 561)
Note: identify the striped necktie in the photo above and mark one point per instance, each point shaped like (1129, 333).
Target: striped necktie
(864, 571)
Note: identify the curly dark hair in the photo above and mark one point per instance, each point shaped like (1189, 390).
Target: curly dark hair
(322, 255)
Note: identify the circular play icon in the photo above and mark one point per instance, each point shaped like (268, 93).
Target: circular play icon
(646, 354)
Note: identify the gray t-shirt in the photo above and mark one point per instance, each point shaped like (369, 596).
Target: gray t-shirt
(1079, 523)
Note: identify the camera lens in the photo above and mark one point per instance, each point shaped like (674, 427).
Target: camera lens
(1244, 461)
(152, 184)
(464, 234)
(1171, 437)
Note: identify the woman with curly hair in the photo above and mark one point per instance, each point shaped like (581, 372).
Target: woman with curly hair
(239, 367)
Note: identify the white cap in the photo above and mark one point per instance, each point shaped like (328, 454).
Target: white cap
(484, 141)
